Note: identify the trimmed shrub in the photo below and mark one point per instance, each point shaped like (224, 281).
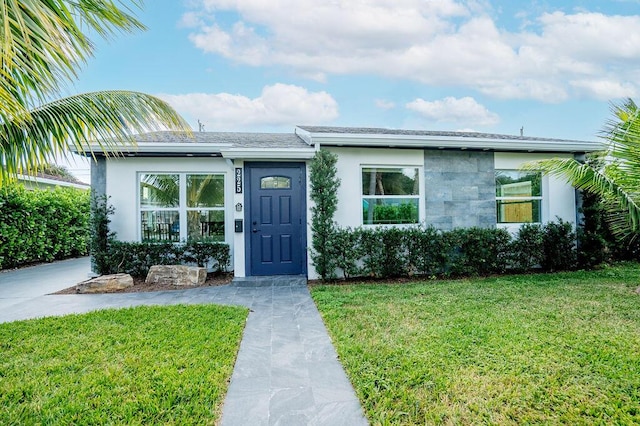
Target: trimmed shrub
(110, 256)
(416, 251)
(100, 237)
(426, 251)
(384, 254)
(527, 248)
(346, 252)
(203, 253)
(42, 225)
(478, 251)
(137, 258)
(559, 242)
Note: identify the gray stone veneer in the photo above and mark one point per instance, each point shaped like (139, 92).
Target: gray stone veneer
(460, 189)
(98, 188)
(99, 176)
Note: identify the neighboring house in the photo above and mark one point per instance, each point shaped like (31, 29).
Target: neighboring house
(44, 181)
(251, 190)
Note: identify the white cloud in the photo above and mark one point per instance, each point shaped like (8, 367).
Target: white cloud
(463, 110)
(277, 105)
(444, 42)
(384, 104)
(190, 20)
(605, 90)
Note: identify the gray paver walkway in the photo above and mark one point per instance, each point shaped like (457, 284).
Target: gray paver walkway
(287, 372)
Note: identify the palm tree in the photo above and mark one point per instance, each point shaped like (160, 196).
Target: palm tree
(42, 46)
(616, 180)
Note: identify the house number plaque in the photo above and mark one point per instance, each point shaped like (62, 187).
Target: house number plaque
(238, 180)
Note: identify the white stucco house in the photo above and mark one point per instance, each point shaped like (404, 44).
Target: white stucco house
(251, 190)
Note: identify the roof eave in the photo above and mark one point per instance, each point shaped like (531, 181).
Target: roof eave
(161, 148)
(414, 141)
(53, 182)
(268, 154)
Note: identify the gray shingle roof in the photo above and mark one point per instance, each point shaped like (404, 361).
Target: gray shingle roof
(301, 142)
(236, 139)
(426, 133)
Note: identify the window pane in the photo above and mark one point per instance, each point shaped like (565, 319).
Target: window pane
(159, 190)
(275, 182)
(205, 190)
(161, 225)
(205, 225)
(525, 211)
(511, 183)
(384, 181)
(389, 210)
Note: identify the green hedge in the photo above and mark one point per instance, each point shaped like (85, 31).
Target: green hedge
(110, 256)
(136, 258)
(42, 225)
(417, 251)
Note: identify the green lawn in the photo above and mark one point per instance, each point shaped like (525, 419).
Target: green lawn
(145, 365)
(530, 349)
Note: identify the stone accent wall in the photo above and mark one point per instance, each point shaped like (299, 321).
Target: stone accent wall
(99, 176)
(460, 189)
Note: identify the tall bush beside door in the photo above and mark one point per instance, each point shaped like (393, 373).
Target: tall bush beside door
(324, 194)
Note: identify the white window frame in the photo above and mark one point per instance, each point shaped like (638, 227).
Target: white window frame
(182, 208)
(539, 198)
(418, 197)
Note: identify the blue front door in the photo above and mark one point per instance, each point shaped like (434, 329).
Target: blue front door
(276, 218)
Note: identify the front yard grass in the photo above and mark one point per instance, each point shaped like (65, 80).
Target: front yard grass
(542, 349)
(144, 365)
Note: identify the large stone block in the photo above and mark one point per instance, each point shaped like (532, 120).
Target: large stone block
(105, 283)
(179, 275)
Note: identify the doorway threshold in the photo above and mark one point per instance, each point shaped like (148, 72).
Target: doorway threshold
(271, 281)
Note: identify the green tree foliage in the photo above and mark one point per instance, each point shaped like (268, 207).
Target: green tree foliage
(56, 170)
(596, 243)
(42, 47)
(324, 194)
(42, 225)
(617, 180)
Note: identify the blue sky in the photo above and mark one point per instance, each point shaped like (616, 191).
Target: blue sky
(551, 68)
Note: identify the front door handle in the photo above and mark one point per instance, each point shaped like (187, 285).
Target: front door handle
(254, 230)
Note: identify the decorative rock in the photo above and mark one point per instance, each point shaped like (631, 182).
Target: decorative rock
(105, 283)
(179, 275)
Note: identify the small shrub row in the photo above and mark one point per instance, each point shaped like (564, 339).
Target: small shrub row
(42, 225)
(136, 258)
(110, 256)
(417, 251)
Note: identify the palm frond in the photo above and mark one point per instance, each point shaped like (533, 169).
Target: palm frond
(42, 45)
(109, 118)
(587, 178)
